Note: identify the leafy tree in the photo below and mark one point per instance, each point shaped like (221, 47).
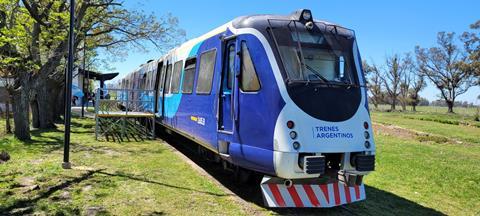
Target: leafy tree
(35, 34)
(443, 66)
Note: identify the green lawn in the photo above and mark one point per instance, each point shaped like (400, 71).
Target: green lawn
(134, 178)
(443, 177)
(470, 111)
(463, 133)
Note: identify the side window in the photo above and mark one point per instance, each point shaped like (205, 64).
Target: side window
(189, 76)
(177, 73)
(248, 78)
(205, 73)
(161, 79)
(168, 77)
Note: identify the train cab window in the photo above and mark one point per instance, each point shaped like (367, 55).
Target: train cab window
(168, 77)
(189, 76)
(248, 78)
(177, 73)
(205, 73)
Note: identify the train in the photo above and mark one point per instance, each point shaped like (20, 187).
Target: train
(280, 95)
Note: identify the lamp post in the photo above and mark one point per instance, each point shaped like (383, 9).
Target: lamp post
(83, 76)
(68, 91)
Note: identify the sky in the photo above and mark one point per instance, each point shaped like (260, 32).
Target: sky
(382, 28)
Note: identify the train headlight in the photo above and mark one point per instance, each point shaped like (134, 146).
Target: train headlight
(296, 145)
(293, 134)
(367, 144)
(290, 124)
(365, 125)
(307, 15)
(367, 135)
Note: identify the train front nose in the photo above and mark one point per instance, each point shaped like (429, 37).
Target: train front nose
(311, 148)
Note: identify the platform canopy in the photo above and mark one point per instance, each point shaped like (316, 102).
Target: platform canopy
(97, 76)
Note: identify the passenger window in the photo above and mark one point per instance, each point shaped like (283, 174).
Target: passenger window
(248, 78)
(205, 73)
(189, 76)
(168, 78)
(177, 73)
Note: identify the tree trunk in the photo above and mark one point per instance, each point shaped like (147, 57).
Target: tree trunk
(414, 108)
(392, 106)
(8, 127)
(44, 103)
(21, 112)
(60, 104)
(35, 115)
(404, 108)
(450, 106)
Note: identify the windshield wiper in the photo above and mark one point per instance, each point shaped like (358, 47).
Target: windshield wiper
(316, 73)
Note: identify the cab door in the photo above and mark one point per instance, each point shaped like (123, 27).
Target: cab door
(227, 88)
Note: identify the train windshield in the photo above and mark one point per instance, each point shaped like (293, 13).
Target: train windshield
(321, 54)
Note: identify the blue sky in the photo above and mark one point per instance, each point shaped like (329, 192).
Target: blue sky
(382, 27)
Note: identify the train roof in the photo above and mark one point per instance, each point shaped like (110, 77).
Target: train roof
(259, 22)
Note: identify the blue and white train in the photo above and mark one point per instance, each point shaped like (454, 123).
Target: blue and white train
(284, 96)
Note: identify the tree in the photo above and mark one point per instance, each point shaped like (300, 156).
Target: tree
(471, 41)
(6, 84)
(374, 83)
(418, 83)
(396, 66)
(442, 65)
(40, 32)
(406, 81)
(12, 44)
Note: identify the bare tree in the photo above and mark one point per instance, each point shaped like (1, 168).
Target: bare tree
(471, 41)
(374, 82)
(418, 83)
(405, 81)
(442, 65)
(396, 66)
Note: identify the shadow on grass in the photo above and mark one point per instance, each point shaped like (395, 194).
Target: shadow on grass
(378, 202)
(135, 178)
(24, 206)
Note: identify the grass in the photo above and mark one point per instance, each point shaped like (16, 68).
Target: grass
(417, 175)
(463, 133)
(464, 111)
(443, 177)
(426, 169)
(120, 179)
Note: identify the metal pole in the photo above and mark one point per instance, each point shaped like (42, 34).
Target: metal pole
(88, 74)
(83, 76)
(68, 92)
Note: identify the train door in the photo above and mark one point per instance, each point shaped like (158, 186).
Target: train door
(159, 85)
(227, 91)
